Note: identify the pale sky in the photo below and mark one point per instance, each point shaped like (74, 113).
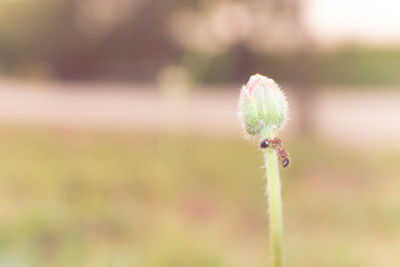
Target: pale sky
(374, 22)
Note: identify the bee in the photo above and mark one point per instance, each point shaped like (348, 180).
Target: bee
(276, 144)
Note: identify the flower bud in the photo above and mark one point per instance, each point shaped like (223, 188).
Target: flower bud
(262, 107)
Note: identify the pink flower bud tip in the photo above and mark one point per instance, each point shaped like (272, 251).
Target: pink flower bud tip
(253, 82)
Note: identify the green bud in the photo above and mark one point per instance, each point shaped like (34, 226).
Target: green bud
(262, 107)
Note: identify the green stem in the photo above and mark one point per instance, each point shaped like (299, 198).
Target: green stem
(274, 203)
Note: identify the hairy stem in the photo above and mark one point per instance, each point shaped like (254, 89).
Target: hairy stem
(275, 204)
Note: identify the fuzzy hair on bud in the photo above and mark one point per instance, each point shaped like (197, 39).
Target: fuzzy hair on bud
(263, 106)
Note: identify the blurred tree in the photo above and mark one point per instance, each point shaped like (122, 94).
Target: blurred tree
(136, 39)
(303, 70)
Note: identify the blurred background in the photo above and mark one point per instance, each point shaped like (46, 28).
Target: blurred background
(120, 145)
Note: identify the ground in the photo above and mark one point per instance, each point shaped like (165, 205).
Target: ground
(97, 198)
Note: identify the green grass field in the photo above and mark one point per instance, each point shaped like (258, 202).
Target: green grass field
(74, 198)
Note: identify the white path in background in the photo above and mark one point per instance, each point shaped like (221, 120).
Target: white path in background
(131, 107)
(358, 117)
(371, 117)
